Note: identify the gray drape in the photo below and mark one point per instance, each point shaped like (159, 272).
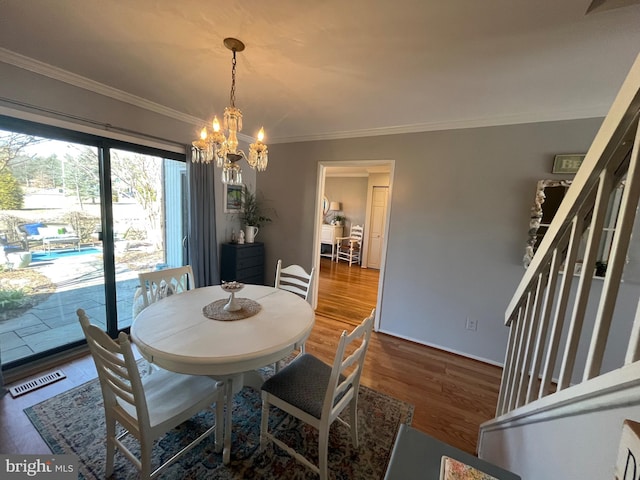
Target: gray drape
(203, 248)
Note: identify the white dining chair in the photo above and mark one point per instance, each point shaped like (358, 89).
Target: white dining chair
(349, 248)
(317, 393)
(294, 279)
(161, 283)
(148, 407)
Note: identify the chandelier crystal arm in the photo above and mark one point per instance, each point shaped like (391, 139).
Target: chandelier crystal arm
(224, 148)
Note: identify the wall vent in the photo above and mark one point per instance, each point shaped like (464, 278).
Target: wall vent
(36, 383)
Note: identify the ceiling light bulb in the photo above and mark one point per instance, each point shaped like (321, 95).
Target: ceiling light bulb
(203, 133)
(261, 134)
(216, 124)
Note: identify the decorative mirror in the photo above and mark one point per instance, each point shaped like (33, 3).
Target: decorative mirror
(550, 194)
(325, 205)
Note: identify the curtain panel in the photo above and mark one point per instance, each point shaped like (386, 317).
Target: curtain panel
(203, 247)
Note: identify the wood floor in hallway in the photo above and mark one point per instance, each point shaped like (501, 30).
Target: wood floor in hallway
(452, 394)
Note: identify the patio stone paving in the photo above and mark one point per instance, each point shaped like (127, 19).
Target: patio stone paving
(53, 322)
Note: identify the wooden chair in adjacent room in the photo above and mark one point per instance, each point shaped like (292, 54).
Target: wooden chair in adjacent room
(349, 248)
(317, 393)
(148, 407)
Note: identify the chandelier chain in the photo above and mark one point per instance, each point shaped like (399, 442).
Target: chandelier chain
(232, 95)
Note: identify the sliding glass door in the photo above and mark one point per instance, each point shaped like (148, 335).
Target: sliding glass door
(147, 197)
(80, 216)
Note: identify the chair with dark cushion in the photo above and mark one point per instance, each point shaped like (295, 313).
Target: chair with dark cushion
(317, 393)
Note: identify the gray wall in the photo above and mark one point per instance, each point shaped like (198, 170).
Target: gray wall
(460, 206)
(351, 192)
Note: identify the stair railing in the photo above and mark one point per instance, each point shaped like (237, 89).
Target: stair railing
(540, 307)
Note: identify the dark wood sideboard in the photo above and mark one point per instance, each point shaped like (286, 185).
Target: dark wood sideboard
(242, 263)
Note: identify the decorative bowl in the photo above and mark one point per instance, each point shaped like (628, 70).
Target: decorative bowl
(232, 287)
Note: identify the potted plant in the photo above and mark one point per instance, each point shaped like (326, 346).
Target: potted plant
(338, 220)
(252, 215)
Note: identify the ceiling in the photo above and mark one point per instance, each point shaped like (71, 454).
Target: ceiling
(316, 69)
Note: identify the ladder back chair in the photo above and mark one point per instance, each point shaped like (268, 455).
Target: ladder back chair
(161, 283)
(317, 393)
(294, 279)
(148, 407)
(349, 248)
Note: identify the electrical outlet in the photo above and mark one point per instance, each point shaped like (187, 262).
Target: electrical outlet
(472, 324)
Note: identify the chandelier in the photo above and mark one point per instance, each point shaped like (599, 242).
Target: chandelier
(215, 145)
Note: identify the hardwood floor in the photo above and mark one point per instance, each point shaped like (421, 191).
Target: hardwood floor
(452, 394)
(346, 293)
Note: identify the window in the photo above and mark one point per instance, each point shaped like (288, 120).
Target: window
(80, 215)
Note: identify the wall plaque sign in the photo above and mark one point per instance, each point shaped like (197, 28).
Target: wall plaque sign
(567, 163)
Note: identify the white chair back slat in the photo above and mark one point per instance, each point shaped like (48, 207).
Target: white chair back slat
(350, 384)
(162, 283)
(117, 369)
(294, 279)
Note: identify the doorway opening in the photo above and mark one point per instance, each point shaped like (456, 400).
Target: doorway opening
(361, 191)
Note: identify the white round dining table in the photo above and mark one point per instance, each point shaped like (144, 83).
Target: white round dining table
(174, 334)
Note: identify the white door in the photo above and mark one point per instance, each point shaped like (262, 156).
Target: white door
(377, 225)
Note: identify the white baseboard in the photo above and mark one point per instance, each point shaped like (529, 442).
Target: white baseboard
(445, 349)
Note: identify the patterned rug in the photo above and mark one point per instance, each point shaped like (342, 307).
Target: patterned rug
(73, 423)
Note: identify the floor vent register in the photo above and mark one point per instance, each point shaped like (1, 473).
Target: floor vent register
(36, 383)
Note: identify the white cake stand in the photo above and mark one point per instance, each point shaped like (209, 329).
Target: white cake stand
(232, 287)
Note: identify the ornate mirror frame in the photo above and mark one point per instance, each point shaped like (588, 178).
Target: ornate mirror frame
(536, 216)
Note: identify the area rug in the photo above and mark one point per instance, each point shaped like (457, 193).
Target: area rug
(73, 423)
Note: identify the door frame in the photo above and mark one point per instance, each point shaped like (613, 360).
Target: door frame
(371, 166)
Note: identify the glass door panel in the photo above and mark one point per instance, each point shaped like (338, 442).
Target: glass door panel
(78, 221)
(147, 222)
(50, 263)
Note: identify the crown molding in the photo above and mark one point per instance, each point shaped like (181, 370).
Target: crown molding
(41, 68)
(55, 73)
(590, 112)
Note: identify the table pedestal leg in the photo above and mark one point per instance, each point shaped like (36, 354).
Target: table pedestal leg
(252, 379)
(228, 396)
(233, 385)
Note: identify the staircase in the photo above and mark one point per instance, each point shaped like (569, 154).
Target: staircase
(572, 370)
